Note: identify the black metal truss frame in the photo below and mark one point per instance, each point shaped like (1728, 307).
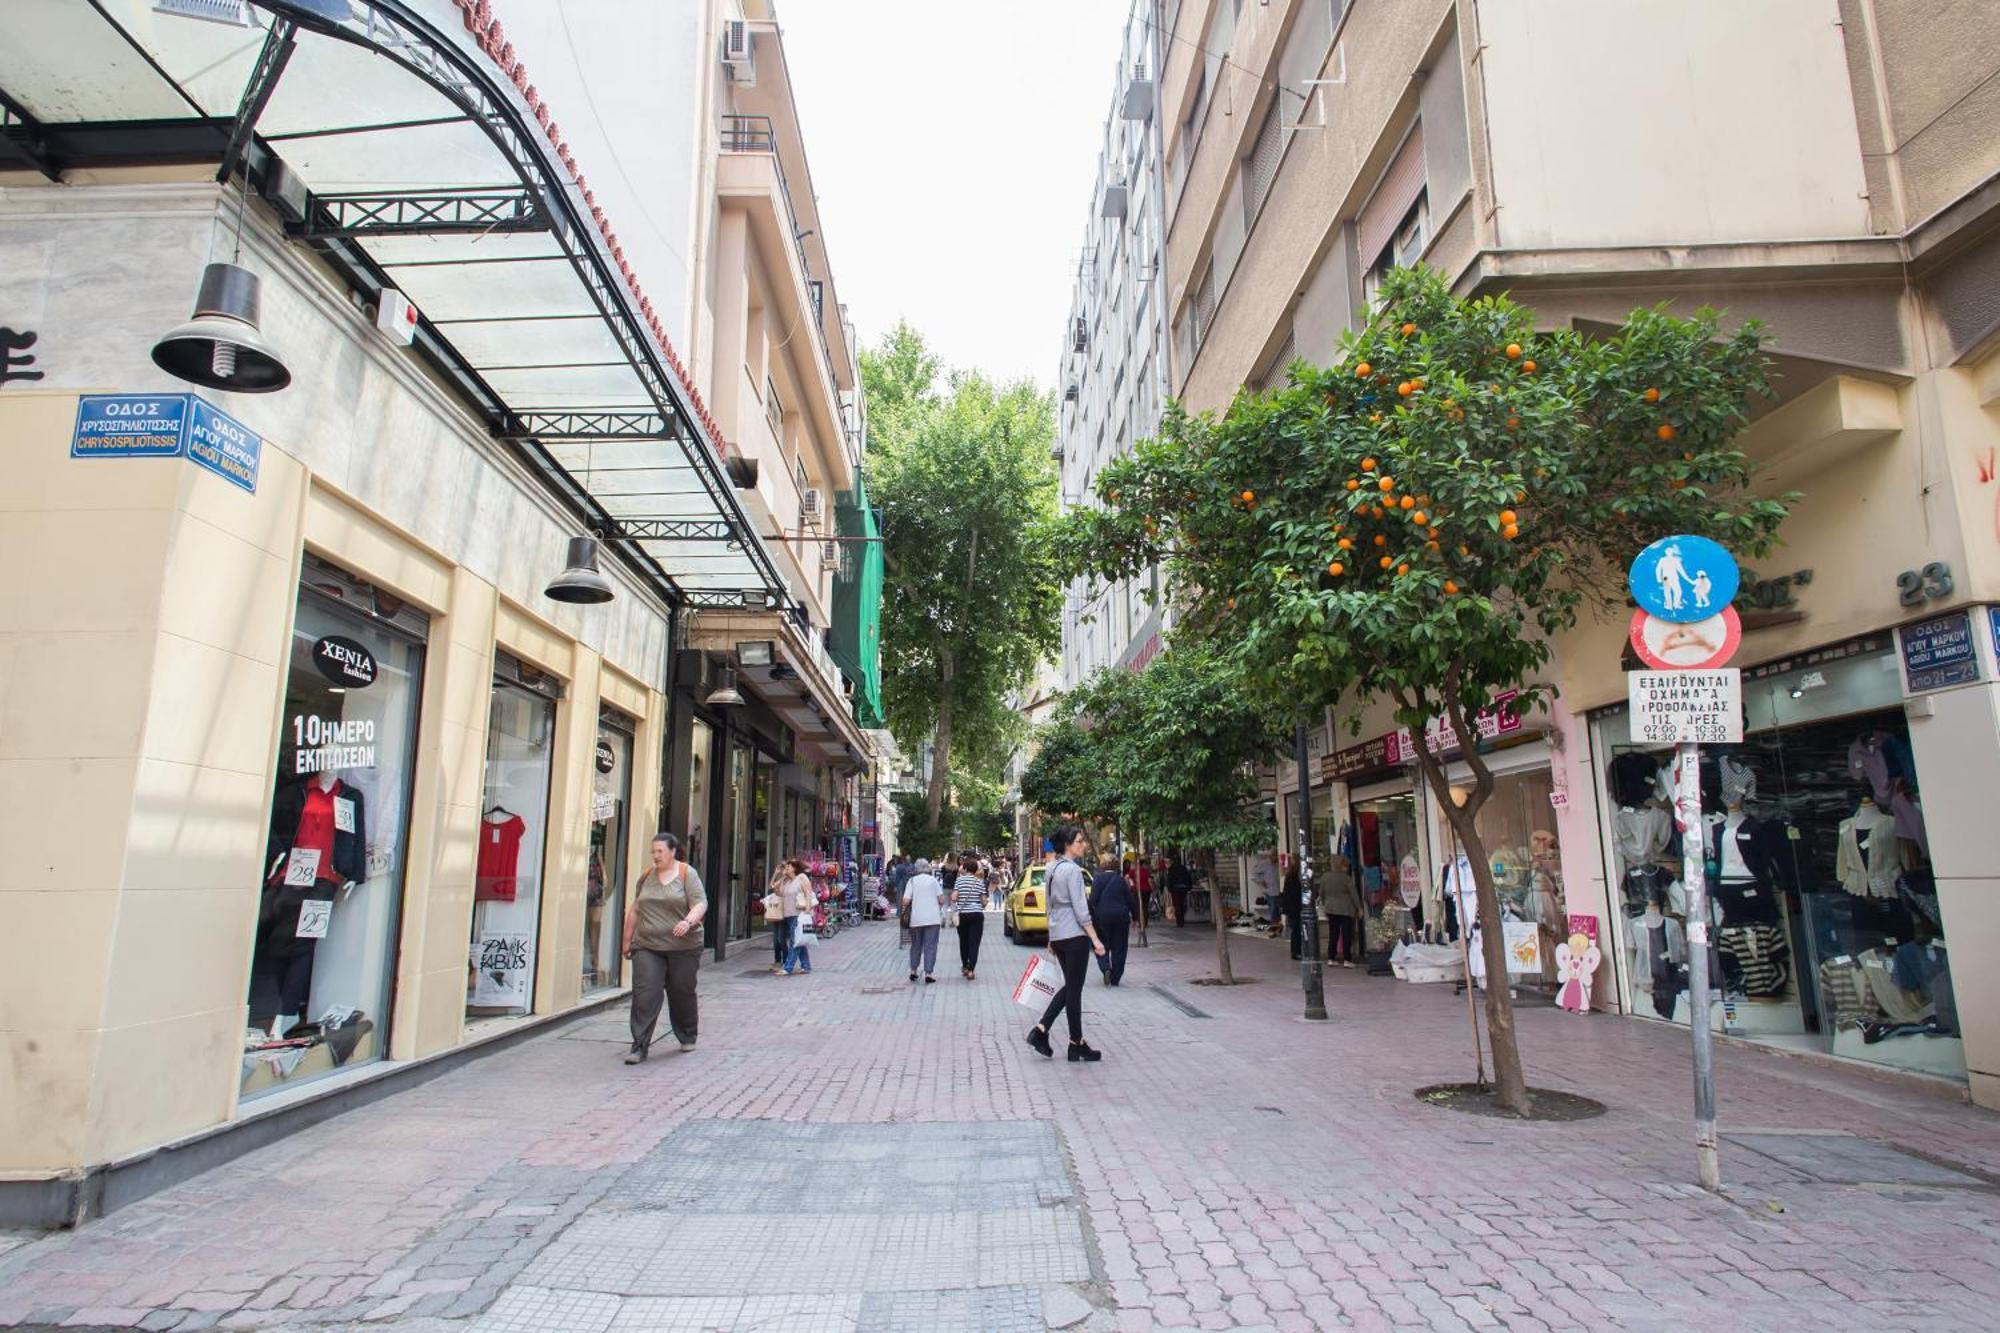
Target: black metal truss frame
(608, 423)
(467, 212)
(732, 599)
(676, 530)
(389, 28)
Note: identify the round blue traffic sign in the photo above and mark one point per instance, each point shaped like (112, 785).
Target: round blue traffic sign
(1684, 579)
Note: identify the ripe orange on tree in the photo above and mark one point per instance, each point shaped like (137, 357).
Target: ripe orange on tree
(1527, 367)
(1652, 395)
(1387, 561)
(1402, 569)
(1387, 483)
(1513, 351)
(1353, 485)
(1364, 370)
(1405, 389)
(1450, 587)
(1420, 518)
(1381, 540)
(1408, 502)
(1511, 531)
(1368, 464)
(1347, 543)
(1508, 518)
(1408, 329)
(1336, 569)
(1666, 431)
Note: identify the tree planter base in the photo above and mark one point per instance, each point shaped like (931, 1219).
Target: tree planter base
(1218, 981)
(1544, 1105)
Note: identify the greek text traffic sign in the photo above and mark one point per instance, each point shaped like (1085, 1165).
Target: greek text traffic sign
(1939, 652)
(1684, 579)
(167, 425)
(1686, 707)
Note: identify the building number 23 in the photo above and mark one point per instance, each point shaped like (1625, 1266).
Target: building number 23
(1914, 587)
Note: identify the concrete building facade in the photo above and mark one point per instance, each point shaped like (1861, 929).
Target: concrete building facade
(1828, 168)
(312, 786)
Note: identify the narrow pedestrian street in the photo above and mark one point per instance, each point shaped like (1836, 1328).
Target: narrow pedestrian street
(848, 1151)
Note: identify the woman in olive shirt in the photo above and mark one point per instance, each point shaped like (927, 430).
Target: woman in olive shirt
(663, 940)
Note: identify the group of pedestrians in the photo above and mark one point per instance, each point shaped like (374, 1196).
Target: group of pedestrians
(964, 886)
(1337, 904)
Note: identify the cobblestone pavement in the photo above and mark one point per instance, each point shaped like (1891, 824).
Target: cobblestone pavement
(849, 1151)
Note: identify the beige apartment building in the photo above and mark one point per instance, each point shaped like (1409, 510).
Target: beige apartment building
(329, 743)
(1826, 166)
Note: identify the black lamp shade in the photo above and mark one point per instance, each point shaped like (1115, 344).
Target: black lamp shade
(222, 346)
(581, 582)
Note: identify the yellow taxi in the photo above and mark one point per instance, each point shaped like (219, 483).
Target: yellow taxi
(1027, 911)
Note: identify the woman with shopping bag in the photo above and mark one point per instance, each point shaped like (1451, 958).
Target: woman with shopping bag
(1072, 939)
(799, 902)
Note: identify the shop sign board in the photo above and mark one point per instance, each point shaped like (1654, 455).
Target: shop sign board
(1697, 645)
(1441, 739)
(1939, 652)
(344, 662)
(1686, 707)
(606, 757)
(1684, 578)
(167, 425)
(500, 959)
(1368, 755)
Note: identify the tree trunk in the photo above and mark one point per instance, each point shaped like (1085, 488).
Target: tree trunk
(1510, 1084)
(940, 786)
(1222, 968)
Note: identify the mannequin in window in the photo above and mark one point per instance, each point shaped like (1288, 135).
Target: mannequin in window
(1737, 846)
(317, 849)
(1869, 857)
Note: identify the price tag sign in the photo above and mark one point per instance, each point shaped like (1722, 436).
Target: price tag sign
(1686, 707)
(315, 914)
(302, 867)
(343, 814)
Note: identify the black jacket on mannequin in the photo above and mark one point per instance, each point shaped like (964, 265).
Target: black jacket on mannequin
(350, 849)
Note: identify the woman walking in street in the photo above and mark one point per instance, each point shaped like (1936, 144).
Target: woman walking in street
(1072, 939)
(969, 897)
(663, 940)
(798, 905)
(923, 913)
(1340, 902)
(1112, 907)
(778, 914)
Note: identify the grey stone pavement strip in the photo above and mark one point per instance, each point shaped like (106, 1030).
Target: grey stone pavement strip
(845, 1151)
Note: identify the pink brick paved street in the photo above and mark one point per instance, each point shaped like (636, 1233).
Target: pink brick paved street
(1241, 1170)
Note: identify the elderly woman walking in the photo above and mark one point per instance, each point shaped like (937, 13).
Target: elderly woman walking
(1072, 939)
(663, 940)
(923, 913)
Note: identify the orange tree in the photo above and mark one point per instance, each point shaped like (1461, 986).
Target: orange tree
(1423, 518)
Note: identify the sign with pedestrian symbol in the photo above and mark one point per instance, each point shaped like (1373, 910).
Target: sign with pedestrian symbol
(1684, 579)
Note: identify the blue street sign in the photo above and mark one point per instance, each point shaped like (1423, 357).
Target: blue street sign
(1684, 579)
(223, 445)
(129, 425)
(167, 425)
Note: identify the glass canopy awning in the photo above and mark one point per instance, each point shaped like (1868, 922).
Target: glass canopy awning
(402, 141)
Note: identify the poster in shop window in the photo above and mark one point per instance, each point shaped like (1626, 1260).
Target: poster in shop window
(500, 961)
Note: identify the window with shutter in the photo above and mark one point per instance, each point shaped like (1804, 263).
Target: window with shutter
(1260, 169)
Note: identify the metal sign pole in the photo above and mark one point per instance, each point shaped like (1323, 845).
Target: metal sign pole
(1687, 814)
(1310, 973)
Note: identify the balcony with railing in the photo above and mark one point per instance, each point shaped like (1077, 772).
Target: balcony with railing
(757, 135)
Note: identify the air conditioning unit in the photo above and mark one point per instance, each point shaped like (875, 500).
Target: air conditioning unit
(1071, 392)
(739, 52)
(1079, 334)
(809, 505)
(1138, 104)
(829, 552)
(1117, 195)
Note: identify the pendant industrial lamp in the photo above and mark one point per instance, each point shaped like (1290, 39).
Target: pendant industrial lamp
(222, 347)
(725, 694)
(581, 581)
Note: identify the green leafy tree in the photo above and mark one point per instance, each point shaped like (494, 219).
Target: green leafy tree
(1169, 749)
(962, 474)
(1424, 518)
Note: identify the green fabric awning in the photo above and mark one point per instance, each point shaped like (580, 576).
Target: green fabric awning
(855, 637)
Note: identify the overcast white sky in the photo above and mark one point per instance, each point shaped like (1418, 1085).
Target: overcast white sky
(953, 147)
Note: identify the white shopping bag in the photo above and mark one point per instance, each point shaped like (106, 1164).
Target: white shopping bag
(1042, 982)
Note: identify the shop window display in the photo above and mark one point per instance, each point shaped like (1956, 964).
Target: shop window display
(1380, 847)
(513, 824)
(610, 824)
(322, 963)
(1816, 858)
(1517, 826)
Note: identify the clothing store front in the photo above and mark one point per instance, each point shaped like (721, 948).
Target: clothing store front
(513, 832)
(322, 967)
(1824, 907)
(1518, 826)
(1378, 842)
(611, 829)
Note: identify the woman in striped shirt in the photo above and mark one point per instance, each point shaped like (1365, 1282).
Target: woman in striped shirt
(968, 895)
